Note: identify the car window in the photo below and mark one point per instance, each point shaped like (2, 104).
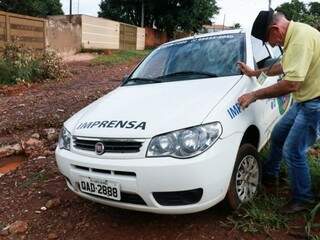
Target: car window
(260, 50)
(198, 57)
(264, 55)
(276, 51)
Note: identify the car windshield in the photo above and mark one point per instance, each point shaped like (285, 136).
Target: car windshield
(204, 57)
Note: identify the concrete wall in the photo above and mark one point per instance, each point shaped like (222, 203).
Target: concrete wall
(64, 36)
(87, 32)
(99, 33)
(141, 38)
(29, 31)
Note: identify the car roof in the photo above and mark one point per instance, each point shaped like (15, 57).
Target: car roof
(206, 35)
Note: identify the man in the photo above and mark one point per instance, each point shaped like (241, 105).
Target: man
(297, 130)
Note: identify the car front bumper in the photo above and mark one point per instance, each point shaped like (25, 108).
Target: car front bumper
(208, 173)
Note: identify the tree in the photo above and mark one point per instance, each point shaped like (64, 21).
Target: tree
(301, 12)
(36, 8)
(167, 15)
(314, 8)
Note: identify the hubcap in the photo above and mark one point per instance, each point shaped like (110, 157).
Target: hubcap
(247, 178)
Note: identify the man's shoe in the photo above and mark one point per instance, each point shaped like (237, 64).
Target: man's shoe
(294, 207)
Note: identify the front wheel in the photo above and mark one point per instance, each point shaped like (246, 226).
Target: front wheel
(246, 177)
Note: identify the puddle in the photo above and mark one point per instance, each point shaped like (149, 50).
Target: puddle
(8, 164)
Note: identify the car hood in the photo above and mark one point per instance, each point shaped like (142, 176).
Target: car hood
(143, 111)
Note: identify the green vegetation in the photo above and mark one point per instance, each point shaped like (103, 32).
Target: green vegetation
(2, 225)
(310, 217)
(36, 8)
(169, 16)
(261, 215)
(117, 57)
(315, 173)
(302, 12)
(34, 178)
(22, 65)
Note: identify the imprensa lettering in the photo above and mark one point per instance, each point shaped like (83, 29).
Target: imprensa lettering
(113, 124)
(234, 111)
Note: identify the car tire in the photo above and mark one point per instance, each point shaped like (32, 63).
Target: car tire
(246, 177)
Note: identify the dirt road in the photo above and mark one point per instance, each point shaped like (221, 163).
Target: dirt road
(36, 193)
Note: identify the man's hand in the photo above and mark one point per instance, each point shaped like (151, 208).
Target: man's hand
(246, 99)
(245, 69)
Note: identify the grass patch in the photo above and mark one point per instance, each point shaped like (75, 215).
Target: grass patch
(314, 163)
(35, 177)
(315, 174)
(310, 219)
(261, 215)
(117, 57)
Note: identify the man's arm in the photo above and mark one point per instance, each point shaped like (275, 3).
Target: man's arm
(275, 70)
(279, 89)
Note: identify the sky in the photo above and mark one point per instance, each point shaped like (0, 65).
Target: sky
(233, 11)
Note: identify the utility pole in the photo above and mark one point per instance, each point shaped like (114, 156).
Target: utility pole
(78, 6)
(269, 4)
(142, 14)
(224, 20)
(70, 10)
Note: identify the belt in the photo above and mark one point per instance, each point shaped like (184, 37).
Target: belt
(312, 99)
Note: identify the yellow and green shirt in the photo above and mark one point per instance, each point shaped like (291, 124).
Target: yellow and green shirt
(301, 60)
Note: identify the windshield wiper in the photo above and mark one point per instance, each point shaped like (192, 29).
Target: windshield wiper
(142, 80)
(188, 73)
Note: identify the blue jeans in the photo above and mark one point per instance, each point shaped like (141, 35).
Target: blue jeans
(290, 139)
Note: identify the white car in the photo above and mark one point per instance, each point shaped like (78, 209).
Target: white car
(172, 138)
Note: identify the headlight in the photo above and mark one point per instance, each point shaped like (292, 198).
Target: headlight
(64, 139)
(185, 143)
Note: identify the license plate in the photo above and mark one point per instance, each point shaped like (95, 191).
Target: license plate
(101, 188)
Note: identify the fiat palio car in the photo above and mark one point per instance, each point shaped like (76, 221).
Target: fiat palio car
(172, 137)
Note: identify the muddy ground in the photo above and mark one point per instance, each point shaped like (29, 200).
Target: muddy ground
(25, 192)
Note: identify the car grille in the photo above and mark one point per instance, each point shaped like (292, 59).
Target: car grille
(110, 145)
(105, 171)
(125, 198)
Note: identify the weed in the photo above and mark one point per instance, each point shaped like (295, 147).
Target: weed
(2, 226)
(262, 215)
(117, 57)
(259, 215)
(36, 177)
(310, 221)
(51, 66)
(314, 164)
(315, 173)
(315, 238)
(20, 64)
